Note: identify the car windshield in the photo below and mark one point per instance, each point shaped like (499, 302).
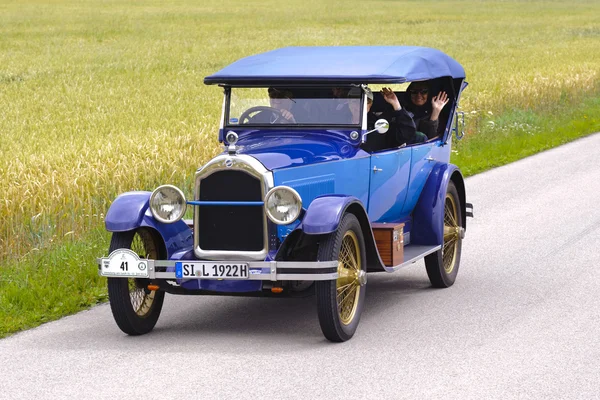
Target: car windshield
(294, 106)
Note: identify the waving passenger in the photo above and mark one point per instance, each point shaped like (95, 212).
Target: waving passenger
(425, 114)
(402, 128)
(401, 121)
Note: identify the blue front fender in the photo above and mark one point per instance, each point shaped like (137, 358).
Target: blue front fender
(325, 213)
(428, 215)
(131, 211)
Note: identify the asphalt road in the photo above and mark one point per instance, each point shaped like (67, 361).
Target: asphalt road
(522, 320)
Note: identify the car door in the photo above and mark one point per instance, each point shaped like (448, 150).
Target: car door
(424, 157)
(390, 171)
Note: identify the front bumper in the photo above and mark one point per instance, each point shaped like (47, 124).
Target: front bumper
(258, 270)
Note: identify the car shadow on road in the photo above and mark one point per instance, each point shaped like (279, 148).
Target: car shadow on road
(233, 324)
(286, 317)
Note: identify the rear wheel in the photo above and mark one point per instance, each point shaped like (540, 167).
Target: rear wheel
(442, 266)
(135, 308)
(340, 302)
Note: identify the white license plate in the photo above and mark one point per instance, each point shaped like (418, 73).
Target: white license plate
(211, 270)
(124, 263)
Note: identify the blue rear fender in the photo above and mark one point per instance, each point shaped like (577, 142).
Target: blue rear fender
(428, 215)
(131, 210)
(325, 213)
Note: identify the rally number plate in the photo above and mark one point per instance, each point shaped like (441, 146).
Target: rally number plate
(212, 270)
(124, 263)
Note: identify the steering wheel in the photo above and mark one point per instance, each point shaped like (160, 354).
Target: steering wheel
(260, 109)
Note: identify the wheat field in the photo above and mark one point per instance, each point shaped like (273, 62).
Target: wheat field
(102, 97)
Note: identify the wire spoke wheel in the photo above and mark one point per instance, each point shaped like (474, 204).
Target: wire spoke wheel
(135, 308)
(347, 284)
(340, 301)
(141, 298)
(442, 266)
(451, 234)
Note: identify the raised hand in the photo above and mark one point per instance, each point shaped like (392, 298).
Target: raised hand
(438, 102)
(390, 97)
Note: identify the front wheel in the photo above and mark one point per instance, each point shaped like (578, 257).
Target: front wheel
(135, 308)
(340, 302)
(442, 266)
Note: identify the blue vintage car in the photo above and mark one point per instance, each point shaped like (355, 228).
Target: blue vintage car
(315, 187)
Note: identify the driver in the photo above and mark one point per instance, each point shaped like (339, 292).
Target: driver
(281, 103)
(281, 100)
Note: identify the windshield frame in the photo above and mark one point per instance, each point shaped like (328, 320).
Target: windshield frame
(227, 108)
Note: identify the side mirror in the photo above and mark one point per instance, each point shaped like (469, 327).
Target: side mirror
(459, 125)
(381, 126)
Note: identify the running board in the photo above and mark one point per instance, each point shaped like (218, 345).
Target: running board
(412, 254)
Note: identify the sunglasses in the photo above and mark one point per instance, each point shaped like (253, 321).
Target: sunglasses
(415, 92)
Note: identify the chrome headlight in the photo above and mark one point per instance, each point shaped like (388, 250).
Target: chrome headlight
(283, 205)
(167, 204)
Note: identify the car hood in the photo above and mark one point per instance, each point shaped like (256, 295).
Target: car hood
(283, 150)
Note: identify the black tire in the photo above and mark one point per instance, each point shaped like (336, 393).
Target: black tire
(339, 323)
(442, 266)
(125, 294)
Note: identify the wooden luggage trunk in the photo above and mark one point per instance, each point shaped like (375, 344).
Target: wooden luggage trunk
(390, 242)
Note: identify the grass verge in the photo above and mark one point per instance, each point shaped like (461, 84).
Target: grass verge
(516, 134)
(48, 284)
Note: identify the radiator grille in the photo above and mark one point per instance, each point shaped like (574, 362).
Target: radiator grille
(230, 228)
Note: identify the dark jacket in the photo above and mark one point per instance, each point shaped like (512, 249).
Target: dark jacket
(421, 117)
(402, 130)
